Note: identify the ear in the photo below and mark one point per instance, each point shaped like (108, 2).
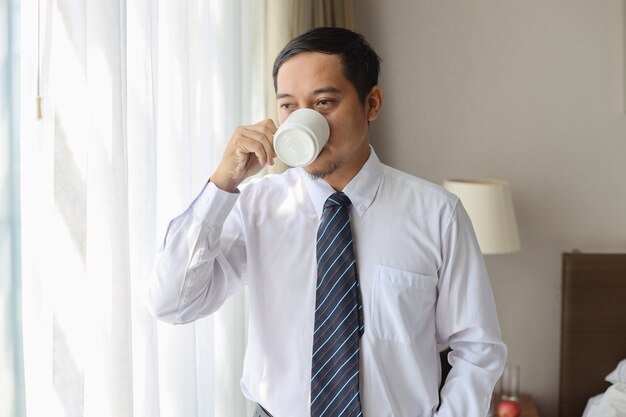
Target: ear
(374, 102)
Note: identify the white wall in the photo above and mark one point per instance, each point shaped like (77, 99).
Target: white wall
(528, 91)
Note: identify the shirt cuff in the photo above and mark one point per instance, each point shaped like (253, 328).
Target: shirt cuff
(213, 205)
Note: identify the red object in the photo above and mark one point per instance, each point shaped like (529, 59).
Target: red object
(508, 409)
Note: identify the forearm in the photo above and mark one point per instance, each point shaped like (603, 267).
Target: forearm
(476, 368)
(200, 263)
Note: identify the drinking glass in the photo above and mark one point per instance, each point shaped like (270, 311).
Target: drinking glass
(510, 383)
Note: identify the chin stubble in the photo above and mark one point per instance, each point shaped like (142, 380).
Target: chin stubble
(325, 172)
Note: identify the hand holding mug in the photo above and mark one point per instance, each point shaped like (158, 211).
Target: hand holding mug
(248, 151)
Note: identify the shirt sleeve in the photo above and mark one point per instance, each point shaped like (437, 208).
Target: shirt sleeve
(202, 259)
(467, 321)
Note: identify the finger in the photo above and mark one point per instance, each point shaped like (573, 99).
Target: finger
(250, 143)
(267, 124)
(264, 137)
(268, 128)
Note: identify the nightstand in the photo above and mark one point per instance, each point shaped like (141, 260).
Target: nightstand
(529, 409)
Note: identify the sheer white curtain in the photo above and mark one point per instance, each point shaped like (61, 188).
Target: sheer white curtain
(138, 100)
(11, 371)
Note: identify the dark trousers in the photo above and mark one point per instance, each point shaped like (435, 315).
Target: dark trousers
(260, 412)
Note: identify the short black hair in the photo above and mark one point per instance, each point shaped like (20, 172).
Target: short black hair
(361, 64)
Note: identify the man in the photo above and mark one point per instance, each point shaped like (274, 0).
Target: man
(418, 275)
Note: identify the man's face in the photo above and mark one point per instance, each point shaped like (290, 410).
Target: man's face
(316, 81)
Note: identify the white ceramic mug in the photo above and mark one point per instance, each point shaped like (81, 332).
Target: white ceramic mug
(301, 137)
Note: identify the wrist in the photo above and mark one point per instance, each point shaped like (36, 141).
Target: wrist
(224, 183)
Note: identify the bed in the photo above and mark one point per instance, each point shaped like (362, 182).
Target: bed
(593, 328)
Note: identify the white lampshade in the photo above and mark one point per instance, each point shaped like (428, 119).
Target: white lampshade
(490, 207)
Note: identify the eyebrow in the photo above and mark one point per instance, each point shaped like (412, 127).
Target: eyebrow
(316, 92)
(324, 90)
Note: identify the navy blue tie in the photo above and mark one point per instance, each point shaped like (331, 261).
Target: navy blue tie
(338, 317)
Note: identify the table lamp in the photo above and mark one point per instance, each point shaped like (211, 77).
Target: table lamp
(489, 205)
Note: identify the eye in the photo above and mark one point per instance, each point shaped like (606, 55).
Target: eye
(287, 106)
(325, 102)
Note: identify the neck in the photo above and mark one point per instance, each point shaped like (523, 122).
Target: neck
(348, 170)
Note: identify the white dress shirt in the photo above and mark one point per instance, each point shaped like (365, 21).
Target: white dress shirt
(422, 278)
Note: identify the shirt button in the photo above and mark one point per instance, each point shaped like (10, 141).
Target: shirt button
(361, 208)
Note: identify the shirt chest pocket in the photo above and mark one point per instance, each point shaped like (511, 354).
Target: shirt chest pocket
(403, 304)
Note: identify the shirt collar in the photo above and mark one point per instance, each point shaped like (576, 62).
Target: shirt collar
(361, 190)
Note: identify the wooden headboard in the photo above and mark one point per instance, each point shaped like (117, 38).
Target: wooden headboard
(593, 326)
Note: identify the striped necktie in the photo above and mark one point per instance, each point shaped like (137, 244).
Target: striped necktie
(338, 317)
